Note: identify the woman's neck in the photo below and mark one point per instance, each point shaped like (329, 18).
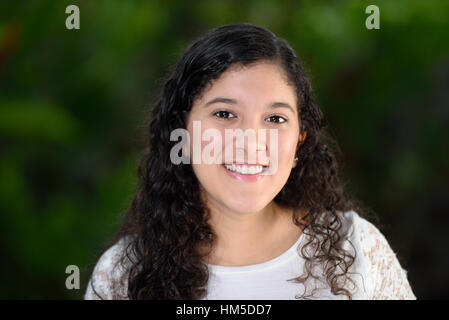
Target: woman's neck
(244, 239)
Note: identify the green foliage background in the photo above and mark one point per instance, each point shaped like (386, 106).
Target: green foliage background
(73, 105)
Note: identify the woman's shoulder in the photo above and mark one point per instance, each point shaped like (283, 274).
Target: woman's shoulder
(361, 230)
(109, 276)
(368, 240)
(387, 278)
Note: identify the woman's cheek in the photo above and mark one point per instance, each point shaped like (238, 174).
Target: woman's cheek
(211, 145)
(287, 150)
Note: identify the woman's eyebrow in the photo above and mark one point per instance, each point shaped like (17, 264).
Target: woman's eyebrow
(281, 105)
(234, 102)
(221, 100)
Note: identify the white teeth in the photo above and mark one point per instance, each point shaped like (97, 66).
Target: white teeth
(244, 169)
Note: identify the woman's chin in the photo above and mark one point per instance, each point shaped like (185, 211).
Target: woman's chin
(247, 206)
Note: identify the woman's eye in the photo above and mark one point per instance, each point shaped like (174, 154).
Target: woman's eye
(224, 114)
(276, 119)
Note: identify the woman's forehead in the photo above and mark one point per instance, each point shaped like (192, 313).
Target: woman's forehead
(253, 83)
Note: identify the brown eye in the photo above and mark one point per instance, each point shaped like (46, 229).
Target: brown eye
(276, 119)
(222, 114)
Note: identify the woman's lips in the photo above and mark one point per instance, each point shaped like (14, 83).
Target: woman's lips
(244, 177)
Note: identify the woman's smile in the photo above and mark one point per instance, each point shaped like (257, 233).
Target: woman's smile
(245, 172)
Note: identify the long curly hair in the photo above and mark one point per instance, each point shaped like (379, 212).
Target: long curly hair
(167, 221)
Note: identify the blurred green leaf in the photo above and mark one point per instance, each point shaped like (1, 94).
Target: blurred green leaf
(37, 121)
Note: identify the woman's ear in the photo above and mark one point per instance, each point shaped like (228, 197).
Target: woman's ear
(302, 138)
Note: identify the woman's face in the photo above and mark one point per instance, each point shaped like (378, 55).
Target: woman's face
(253, 97)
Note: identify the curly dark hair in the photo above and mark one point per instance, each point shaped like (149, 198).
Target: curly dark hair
(167, 221)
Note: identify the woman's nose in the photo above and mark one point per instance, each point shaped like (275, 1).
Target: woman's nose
(251, 141)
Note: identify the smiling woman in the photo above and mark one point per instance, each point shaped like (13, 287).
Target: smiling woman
(248, 206)
(235, 228)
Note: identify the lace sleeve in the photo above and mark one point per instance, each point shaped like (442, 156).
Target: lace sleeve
(389, 279)
(108, 280)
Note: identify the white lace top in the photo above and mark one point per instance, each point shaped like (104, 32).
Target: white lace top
(376, 272)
